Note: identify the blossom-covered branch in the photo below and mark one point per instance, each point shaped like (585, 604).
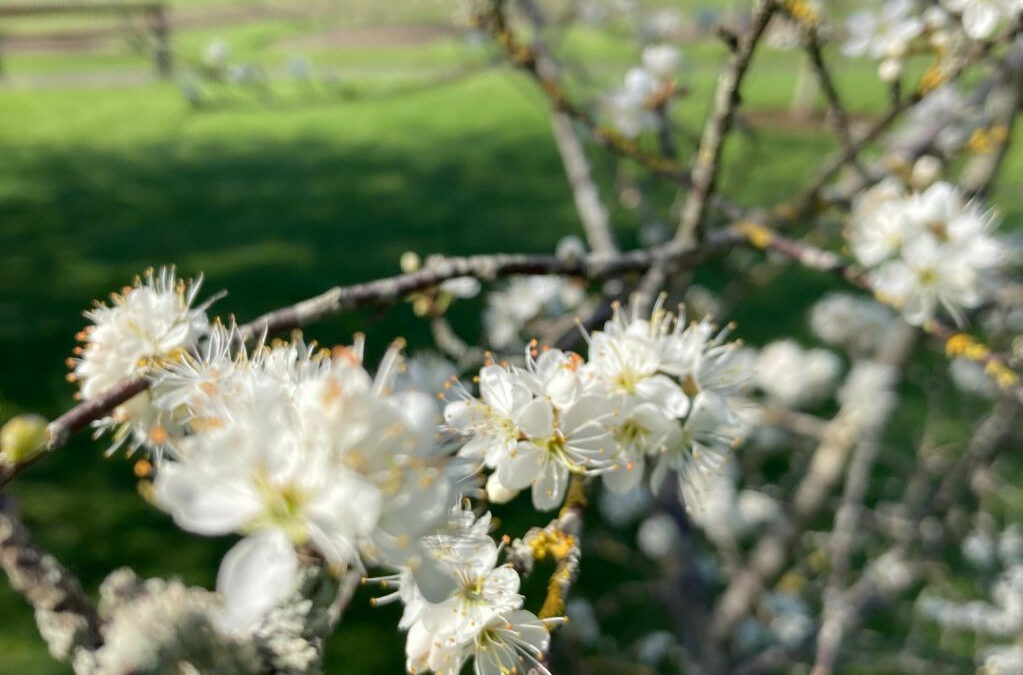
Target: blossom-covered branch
(382, 292)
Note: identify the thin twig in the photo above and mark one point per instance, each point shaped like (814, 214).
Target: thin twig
(839, 117)
(594, 215)
(726, 100)
(843, 534)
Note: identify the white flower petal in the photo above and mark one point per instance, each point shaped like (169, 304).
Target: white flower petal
(255, 576)
(203, 503)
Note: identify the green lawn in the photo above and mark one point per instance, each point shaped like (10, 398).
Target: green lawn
(276, 202)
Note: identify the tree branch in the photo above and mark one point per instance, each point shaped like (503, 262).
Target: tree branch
(388, 291)
(726, 99)
(67, 620)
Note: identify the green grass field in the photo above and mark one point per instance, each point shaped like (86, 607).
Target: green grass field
(276, 202)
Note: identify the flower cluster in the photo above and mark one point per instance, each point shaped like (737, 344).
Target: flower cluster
(981, 17)
(925, 249)
(146, 325)
(646, 89)
(481, 617)
(857, 324)
(1003, 616)
(523, 300)
(796, 377)
(900, 28)
(291, 447)
(651, 388)
(311, 459)
(885, 34)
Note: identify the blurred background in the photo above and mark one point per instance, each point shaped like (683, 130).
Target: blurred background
(281, 148)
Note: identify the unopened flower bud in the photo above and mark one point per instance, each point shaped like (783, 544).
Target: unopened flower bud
(22, 438)
(570, 248)
(890, 70)
(658, 536)
(926, 171)
(410, 262)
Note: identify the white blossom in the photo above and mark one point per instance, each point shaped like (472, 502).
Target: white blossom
(216, 54)
(522, 300)
(146, 325)
(662, 60)
(794, 376)
(628, 106)
(927, 250)
(856, 323)
(981, 17)
(658, 536)
(290, 447)
(969, 377)
(883, 34)
(482, 617)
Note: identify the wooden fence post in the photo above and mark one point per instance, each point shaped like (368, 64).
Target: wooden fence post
(162, 47)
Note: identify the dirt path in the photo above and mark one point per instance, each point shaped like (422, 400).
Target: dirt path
(371, 36)
(115, 27)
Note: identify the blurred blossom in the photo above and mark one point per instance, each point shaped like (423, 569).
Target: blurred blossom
(858, 324)
(623, 508)
(427, 372)
(662, 24)
(757, 509)
(868, 390)
(1010, 545)
(662, 60)
(582, 621)
(1002, 616)
(945, 110)
(790, 621)
(1007, 660)
(927, 250)
(462, 287)
(524, 299)
(969, 377)
(627, 106)
(784, 34)
(652, 649)
(216, 54)
(884, 33)
(570, 247)
(890, 571)
(979, 548)
(981, 17)
(796, 377)
(658, 536)
(926, 171)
